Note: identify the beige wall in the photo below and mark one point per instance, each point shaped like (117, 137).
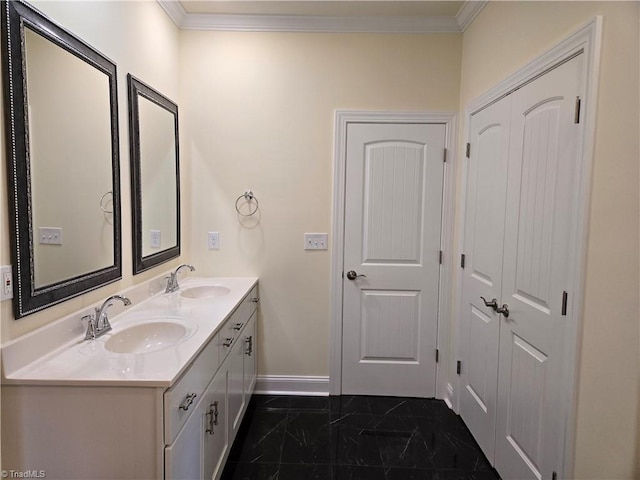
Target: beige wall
(259, 110)
(503, 38)
(142, 40)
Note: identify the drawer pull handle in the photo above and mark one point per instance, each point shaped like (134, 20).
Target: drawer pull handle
(188, 400)
(249, 349)
(238, 326)
(255, 299)
(228, 342)
(213, 417)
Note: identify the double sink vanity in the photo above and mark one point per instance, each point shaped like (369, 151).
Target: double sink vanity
(161, 395)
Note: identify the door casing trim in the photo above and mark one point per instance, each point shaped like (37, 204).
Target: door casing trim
(588, 40)
(342, 119)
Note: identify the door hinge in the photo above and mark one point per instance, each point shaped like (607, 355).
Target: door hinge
(577, 115)
(554, 476)
(440, 257)
(462, 261)
(565, 298)
(445, 156)
(458, 367)
(437, 355)
(468, 150)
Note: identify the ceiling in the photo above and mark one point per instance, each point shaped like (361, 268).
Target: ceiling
(395, 16)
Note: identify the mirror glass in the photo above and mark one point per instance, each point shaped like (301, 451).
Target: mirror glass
(63, 161)
(154, 176)
(70, 174)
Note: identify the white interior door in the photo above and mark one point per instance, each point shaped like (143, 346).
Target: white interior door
(393, 223)
(540, 208)
(482, 274)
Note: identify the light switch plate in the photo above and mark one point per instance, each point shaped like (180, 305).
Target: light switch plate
(315, 241)
(50, 235)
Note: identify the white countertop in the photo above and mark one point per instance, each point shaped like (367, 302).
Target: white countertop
(81, 362)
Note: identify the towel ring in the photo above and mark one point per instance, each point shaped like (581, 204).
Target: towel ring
(248, 196)
(103, 204)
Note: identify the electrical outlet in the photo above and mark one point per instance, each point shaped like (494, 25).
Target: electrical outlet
(6, 290)
(213, 240)
(155, 238)
(315, 241)
(50, 235)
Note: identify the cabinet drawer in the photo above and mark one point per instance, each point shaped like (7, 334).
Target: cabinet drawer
(252, 299)
(233, 327)
(181, 399)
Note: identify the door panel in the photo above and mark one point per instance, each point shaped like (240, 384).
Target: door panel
(390, 326)
(482, 275)
(393, 216)
(540, 210)
(393, 192)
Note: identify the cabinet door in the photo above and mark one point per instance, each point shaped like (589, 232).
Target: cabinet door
(200, 448)
(250, 357)
(216, 436)
(236, 386)
(183, 458)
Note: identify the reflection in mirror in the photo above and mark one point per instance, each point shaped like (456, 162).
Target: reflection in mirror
(155, 184)
(81, 163)
(63, 161)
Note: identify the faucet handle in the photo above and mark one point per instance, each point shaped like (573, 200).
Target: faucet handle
(91, 326)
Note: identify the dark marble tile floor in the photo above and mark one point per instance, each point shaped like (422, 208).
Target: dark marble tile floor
(354, 438)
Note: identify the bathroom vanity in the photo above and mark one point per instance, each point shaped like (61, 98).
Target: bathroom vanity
(161, 396)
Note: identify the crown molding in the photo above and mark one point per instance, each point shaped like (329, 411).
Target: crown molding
(323, 24)
(468, 12)
(175, 11)
(291, 23)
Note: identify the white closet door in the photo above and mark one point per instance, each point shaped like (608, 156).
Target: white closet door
(540, 208)
(393, 220)
(483, 247)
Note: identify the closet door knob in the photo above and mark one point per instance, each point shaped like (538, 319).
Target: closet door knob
(503, 310)
(493, 304)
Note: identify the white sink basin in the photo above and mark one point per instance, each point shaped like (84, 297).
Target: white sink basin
(205, 291)
(147, 337)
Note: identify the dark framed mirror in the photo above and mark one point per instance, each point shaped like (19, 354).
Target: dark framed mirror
(155, 176)
(61, 112)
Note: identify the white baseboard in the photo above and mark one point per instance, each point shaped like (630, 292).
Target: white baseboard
(292, 385)
(448, 399)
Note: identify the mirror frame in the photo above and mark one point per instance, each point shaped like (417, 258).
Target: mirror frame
(27, 299)
(136, 90)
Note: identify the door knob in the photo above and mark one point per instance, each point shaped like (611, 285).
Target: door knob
(503, 310)
(493, 303)
(352, 275)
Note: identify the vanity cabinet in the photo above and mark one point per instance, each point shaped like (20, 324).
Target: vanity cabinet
(211, 419)
(140, 428)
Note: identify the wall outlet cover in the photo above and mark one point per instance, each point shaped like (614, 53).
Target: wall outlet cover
(156, 239)
(213, 240)
(6, 290)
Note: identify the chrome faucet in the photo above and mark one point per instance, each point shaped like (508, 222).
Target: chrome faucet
(172, 280)
(98, 324)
